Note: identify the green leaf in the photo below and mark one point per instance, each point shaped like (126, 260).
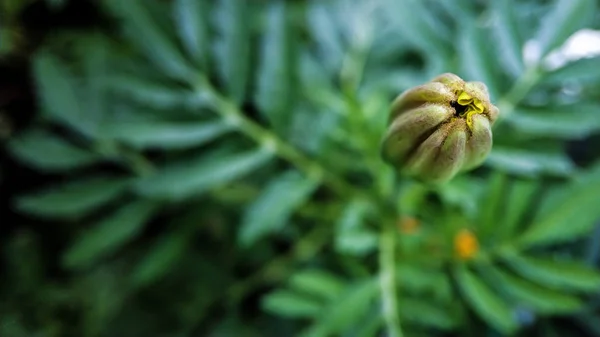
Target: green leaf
(491, 203)
(582, 70)
(519, 199)
(421, 280)
(347, 310)
(276, 73)
(194, 177)
(191, 19)
(159, 95)
(369, 327)
(358, 242)
(94, 51)
(318, 283)
(58, 94)
(557, 274)
(144, 32)
(476, 60)
(290, 304)
(109, 235)
(166, 135)
(464, 193)
(574, 121)
(510, 43)
(234, 47)
(564, 19)
(530, 163)
(533, 296)
(325, 32)
(425, 313)
(352, 236)
(419, 25)
(73, 199)
(459, 9)
(271, 210)
(484, 301)
(572, 214)
(50, 153)
(160, 259)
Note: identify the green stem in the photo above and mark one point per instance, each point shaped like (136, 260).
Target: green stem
(518, 92)
(387, 279)
(261, 135)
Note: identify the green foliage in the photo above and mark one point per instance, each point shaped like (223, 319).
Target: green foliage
(212, 168)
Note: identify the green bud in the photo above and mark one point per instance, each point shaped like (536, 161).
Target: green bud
(440, 128)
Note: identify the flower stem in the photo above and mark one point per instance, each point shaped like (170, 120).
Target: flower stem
(269, 140)
(519, 91)
(387, 279)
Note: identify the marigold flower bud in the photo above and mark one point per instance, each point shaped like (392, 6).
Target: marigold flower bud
(440, 128)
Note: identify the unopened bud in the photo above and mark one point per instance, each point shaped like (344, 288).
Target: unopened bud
(439, 129)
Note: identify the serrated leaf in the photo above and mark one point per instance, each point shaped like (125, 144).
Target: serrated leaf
(427, 314)
(233, 50)
(534, 297)
(574, 214)
(271, 210)
(583, 70)
(530, 163)
(510, 43)
(73, 199)
(191, 19)
(290, 304)
(58, 94)
(50, 153)
(166, 135)
(350, 308)
(159, 95)
(160, 258)
(557, 274)
(276, 73)
(321, 284)
(484, 301)
(574, 121)
(109, 235)
(193, 177)
(144, 32)
(564, 19)
(477, 64)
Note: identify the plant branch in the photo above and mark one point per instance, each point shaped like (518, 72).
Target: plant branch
(261, 135)
(518, 91)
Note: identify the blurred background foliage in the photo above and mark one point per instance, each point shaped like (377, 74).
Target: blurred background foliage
(211, 168)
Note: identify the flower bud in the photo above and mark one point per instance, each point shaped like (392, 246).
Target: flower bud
(440, 128)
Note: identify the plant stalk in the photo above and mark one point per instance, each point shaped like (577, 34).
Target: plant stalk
(387, 279)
